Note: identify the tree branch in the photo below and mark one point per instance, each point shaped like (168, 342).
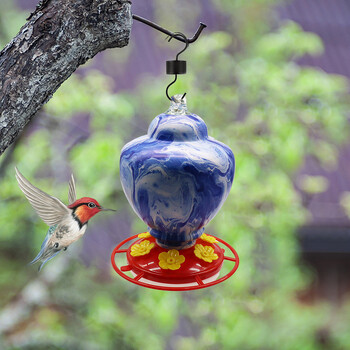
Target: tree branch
(60, 36)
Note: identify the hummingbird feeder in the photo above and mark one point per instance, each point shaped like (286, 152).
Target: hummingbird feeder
(176, 178)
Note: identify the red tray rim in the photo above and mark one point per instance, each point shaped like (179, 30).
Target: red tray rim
(199, 285)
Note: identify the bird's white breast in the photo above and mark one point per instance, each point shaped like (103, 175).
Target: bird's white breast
(69, 231)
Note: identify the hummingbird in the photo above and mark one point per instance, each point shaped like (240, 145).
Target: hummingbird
(66, 223)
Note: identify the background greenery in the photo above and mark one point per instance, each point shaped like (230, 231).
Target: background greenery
(245, 83)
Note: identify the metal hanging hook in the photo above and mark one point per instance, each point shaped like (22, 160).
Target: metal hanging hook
(176, 67)
(167, 89)
(183, 36)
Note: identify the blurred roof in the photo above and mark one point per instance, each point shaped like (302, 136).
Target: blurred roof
(330, 19)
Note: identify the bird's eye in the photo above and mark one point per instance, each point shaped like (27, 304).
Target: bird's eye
(56, 245)
(92, 205)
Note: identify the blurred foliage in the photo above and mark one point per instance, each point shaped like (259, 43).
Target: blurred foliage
(11, 19)
(256, 99)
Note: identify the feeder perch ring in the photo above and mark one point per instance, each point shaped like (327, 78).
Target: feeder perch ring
(196, 283)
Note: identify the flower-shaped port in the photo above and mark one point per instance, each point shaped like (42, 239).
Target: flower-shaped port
(171, 260)
(144, 235)
(207, 238)
(142, 248)
(205, 253)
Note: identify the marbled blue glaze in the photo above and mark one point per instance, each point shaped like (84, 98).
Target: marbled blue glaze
(176, 178)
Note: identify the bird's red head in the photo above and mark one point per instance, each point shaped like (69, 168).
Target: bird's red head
(85, 208)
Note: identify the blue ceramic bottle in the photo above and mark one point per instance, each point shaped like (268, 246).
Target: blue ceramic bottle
(176, 177)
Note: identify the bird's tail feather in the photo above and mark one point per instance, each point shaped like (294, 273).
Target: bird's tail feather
(43, 248)
(40, 254)
(46, 260)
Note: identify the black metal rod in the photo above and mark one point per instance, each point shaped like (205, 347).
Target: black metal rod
(168, 32)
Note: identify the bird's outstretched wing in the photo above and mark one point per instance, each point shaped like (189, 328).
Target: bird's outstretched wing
(50, 209)
(72, 194)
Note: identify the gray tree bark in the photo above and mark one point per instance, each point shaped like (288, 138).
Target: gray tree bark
(59, 36)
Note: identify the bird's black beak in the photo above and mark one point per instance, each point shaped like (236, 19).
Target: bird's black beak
(105, 209)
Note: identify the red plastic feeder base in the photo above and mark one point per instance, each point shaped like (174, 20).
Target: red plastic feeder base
(154, 267)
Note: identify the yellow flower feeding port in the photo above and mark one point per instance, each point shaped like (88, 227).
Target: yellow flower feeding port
(144, 235)
(208, 238)
(141, 249)
(170, 260)
(205, 252)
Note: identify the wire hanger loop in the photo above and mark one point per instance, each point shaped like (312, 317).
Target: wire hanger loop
(176, 67)
(183, 36)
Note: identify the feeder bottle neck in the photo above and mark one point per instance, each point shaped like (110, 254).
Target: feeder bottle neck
(178, 105)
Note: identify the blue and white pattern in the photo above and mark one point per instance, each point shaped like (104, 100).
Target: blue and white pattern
(176, 178)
